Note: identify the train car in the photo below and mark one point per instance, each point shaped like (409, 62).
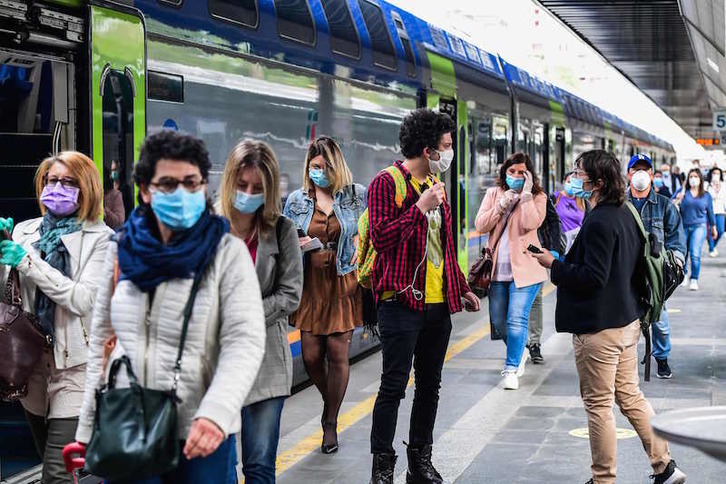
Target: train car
(96, 76)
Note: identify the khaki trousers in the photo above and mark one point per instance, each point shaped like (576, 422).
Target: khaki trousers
(607, 365)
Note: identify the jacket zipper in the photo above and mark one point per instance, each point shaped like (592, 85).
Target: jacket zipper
(147, 323)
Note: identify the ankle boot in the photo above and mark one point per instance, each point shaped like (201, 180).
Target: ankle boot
(383, 466)
(420, 468)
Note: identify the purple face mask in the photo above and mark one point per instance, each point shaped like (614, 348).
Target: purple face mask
(61, 201)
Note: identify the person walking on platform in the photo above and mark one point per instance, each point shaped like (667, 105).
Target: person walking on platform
(660, 218)
(718, 194)
(571, 210)
(418, 285)
(250, 199)
(326, 210)
(696, 207)
(511, 213)
(59, 258)
(660, 186)
(173, 253)
(598, 270)
(671, 178)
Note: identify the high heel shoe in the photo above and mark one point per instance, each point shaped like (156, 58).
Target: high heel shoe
(330, 448)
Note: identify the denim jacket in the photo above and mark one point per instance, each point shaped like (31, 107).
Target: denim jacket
(662, 219)
(349, 204)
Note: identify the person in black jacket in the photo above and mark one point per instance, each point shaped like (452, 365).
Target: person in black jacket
(597, 301)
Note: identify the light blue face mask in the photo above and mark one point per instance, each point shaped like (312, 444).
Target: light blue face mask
(568, 188)
(180, 209)
(658, 182)
(577, 190)
(246, 203)
(515, 184)
(319, 177)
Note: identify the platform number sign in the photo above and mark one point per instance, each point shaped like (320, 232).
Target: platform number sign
(719, 119)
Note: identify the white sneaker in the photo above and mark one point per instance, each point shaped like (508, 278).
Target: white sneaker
(694, 285)
(522, 362)
(713, 253)
(686, 281)
(511, 380)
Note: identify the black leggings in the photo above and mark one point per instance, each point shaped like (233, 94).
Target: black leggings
(50, 437)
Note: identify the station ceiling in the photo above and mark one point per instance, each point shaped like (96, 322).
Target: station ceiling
(672, 50)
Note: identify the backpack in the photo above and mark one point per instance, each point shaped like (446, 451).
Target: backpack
(550, 232)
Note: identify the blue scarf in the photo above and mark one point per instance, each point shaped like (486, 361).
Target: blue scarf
(53, 251)
(147, 262)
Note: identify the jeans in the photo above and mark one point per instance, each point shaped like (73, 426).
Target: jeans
(661, 336)
(217, 468)
(721, 228)
(509, 309)
(260, 435)
(535, 321)
(695, 237)
(407, 336)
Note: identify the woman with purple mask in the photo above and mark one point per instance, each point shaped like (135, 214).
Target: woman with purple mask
(571, 210)
(59, 257)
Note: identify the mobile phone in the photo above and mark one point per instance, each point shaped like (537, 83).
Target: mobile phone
(534, 249)
(301, 233)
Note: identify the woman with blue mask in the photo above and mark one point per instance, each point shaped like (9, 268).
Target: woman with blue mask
(250, 199)
(571, 210)
(327, 208)
(171, 242)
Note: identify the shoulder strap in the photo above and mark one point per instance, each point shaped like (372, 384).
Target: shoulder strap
(559, 195)
(400, 182)
(638, 220)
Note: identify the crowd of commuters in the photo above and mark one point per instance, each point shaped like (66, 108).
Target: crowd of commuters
(197, 296)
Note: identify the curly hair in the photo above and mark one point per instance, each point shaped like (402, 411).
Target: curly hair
(516, 159)
(421, 129)
(170, 145)
(601, 165)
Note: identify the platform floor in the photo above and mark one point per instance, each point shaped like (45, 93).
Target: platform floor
(485, 434)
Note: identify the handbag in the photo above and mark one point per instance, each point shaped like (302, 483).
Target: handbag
(480, 274)
(135, 428)
(22, 341)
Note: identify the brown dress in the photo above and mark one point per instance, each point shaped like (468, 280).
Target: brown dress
(330, 303)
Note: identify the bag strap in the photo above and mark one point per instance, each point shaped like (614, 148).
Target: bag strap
(400, 181)
(506, 222)
(638, 220)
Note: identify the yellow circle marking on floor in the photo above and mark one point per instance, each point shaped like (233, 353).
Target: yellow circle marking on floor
(582, 433)
(673, 310)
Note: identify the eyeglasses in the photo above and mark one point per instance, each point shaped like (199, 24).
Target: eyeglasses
(168, 184)
(65, 182)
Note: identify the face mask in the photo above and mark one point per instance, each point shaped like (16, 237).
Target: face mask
(640, 180)
(577, 189)
(61, 201)
(180, 209)
(114, 175)
(443, 163)
(694, 182)
(568, 188)
(515, 184)
(246, 203)
(319, 177)
(658, 182)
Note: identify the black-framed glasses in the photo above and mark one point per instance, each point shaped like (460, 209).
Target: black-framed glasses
(65, 181)
(169, 184)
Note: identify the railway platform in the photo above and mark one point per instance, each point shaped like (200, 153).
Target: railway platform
(537, 434)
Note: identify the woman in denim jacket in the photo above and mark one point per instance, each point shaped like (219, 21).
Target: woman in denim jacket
(327, 207)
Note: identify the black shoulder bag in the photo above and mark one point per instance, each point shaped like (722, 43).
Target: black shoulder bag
(135, 428)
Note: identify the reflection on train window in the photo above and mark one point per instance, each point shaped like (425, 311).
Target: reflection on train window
(175, 3)
(118, 134)
(165, 87)
(383, 53)
(410, 59)
(295, 21)
(242, 12)
(344, 38)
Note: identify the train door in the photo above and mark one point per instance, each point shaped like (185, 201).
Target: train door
(118, 94)
(560, 168)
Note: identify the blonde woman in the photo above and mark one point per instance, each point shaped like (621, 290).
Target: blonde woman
(327, 208)
(250, 199)
(59, 257)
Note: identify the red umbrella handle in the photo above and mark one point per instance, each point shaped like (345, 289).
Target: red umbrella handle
(74, 456)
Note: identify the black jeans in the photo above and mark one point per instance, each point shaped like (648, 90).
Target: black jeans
(409, 336)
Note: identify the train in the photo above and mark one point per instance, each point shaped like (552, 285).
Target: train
(97, 76)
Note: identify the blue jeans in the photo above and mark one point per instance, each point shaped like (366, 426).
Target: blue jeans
(260, 436)
(695, 237)
(509, 309)
(661, 336)
(721, 228)
(217, 468)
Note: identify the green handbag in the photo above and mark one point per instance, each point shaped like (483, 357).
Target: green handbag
(135, 428)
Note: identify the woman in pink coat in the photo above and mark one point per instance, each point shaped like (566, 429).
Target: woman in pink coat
(511, 213)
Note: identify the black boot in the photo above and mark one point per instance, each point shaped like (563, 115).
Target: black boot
(383, 465)
(420, 468)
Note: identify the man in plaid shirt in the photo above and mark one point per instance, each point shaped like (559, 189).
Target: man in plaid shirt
(418, 285)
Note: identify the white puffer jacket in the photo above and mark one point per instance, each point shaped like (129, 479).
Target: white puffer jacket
(224, 346)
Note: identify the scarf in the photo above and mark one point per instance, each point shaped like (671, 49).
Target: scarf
(147, 262)
(53, 251)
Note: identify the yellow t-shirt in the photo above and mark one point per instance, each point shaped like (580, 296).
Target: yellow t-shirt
(434, 291)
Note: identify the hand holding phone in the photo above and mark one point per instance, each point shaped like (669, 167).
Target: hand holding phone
(534, 249)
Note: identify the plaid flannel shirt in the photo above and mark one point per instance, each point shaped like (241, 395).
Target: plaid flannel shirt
(399, 237)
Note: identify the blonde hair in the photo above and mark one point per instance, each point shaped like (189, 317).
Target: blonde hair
(83, 169)
(338, 171)
(257, 155)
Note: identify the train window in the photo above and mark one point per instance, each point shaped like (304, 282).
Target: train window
(174, 3)
(241, 12)
(165, 87)
(406, 42)
(344, 38)
(295, 21)
(383, 53)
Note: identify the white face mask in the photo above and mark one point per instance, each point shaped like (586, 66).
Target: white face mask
(443, 163)
(694, 182)
(640, 180)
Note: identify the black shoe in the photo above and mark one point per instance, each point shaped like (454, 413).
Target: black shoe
(535, 353)
(383, 467)
(664, 371)
(671, 475)
(420, 468)
(330, 448)
(591, 481)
